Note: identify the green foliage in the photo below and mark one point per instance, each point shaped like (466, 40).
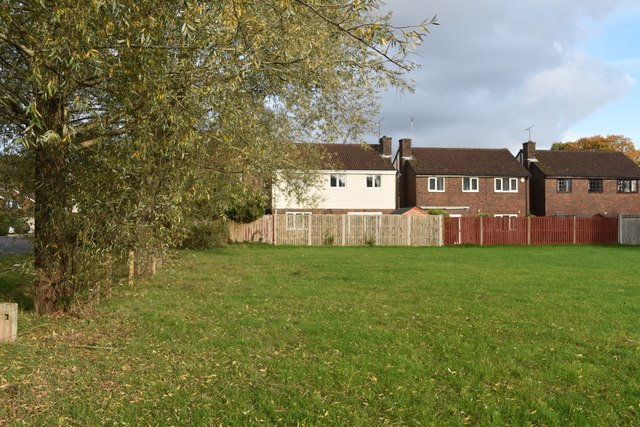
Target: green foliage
(343, 336)
(139, 114)
(10, 220)
(438, 212)
(205, 234)
(249, 210)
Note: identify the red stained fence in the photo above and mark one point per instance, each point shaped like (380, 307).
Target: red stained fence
(530, 231)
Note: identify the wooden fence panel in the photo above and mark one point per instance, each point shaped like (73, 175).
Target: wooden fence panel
(596, 230)
(629, 230)
(504, 231)
(462, 231)
(551, 230)
(341, 230)
(257, 231)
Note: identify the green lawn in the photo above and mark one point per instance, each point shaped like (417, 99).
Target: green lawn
(351, 336)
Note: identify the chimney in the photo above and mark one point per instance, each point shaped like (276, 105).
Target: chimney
(385, 146)
(405, 149)
(528, 153)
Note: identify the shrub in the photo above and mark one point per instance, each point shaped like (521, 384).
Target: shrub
(205, 234)
(438, 212)
(251, 210)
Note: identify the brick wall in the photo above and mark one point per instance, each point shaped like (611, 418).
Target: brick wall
(580, 202)
(486, 200)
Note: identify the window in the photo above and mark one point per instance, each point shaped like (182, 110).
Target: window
(595, 186)
(469, 184)
(564, 185)
(298, 220)
(374, 181)
(506, 185)
(627, 186)
(436, 184)
(12, 204)
(337, 180)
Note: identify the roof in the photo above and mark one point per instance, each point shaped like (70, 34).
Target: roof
(466, 162)
(412, 211)
(595, 164)
(356, 157)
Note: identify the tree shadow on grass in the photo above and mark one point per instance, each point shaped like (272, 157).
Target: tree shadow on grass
(15, 286)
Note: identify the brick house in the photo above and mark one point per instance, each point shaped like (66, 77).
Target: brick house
(462, 181)
(581, 182)
(362, 179)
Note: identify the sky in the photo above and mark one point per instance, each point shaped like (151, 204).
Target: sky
(493, 68)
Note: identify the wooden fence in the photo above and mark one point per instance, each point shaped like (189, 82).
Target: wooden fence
(396, 230)
(629, 230)
(341, 230)
(530, 230)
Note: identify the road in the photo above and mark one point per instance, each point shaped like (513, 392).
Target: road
(14, 245)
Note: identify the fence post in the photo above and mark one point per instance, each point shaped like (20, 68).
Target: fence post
(132, 266)
(408, 221)
(8, 322)
(481, 231)
(344, 226)
(619, 229)
(528, 231)
(574, 230)
(441, 230)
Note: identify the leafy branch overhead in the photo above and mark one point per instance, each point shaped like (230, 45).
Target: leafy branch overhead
(146, 116)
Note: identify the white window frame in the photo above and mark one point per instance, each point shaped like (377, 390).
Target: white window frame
(374, 180)
(298, 220)
(510, 182)
(340, 180)
(509, 225)
(435, 180)
(472, 180)
(564, 185)
(626, 185)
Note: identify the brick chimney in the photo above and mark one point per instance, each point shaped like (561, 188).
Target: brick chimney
(528, 153)
(385, 147)
(405, 149)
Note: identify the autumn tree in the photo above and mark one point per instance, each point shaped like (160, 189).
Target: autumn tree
(602, 143)
(140, 115)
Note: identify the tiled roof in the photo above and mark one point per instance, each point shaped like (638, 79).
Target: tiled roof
(466, 162)
(356, 157)
(586, 164)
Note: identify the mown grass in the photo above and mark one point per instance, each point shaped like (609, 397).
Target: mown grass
(350, 336)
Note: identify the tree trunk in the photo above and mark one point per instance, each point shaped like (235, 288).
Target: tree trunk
(51, 254)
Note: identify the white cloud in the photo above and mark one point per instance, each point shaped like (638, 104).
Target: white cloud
(493, 68)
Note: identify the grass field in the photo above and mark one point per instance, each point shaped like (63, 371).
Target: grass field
(349, 336)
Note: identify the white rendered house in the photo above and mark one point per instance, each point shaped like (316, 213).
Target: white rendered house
(363, 181)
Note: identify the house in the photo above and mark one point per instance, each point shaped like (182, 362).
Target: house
(581, 182)
(462, 181)
(361, 180)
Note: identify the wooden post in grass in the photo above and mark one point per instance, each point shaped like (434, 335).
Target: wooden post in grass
(8, 322)
(132, 266)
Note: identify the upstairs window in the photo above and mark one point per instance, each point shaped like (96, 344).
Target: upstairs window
(595, 185)
(374, 181)
(337, 181)
(506, 185)
(469, 184)
(564, 185)
(627, 186)
(436, 184)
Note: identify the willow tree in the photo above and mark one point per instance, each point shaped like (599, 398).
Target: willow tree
(136, 113)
